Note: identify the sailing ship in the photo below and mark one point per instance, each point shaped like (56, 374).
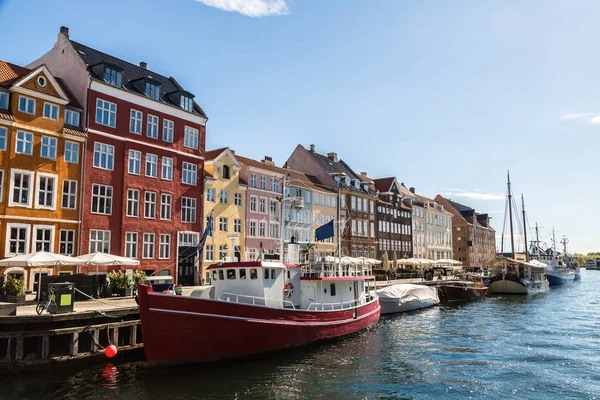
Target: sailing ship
(514, 276)
(467, 286)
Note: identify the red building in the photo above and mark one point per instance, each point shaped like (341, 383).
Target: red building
(144, 159)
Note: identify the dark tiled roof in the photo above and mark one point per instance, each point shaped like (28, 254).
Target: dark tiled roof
(131, 72)
(458, 206)
(383, 184)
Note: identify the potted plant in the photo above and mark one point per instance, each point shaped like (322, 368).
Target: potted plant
(15, 290)
(2, 289)
(138, 277)
(120, 284)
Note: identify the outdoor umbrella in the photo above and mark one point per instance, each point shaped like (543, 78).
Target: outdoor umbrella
(99, 258)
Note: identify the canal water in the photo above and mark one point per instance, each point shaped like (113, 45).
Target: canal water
(544, 346)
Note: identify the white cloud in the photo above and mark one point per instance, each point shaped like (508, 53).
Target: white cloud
(576, 116)
(475, 195)
(250, 8)
(595, 120)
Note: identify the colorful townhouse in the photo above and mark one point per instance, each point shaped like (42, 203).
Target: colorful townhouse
(225, 203)
(41, 150)
(357, 199)
(144, 159)
(325, 209)
(473, 239)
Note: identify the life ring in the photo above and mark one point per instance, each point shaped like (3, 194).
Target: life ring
(288, 289)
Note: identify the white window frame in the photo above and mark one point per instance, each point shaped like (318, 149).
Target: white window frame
(62, 242)
(168, 130)
(191, 171)
(212, 197)
(25, 142)
(9, 226)
(164, 246)
(110, 157)
(237, 225)
(135, 121)
(236, 197)
(152, 122)
(69, 195)
(134, 159)
(101, 196)
(166, 205)
(4, 96)
(74, 149)
(131, 244)
(191, 137)
(148, 204)
(151, 164)
(166, 163)
(53, 109)
(38, 178)
(31, 188)
(105, 107)
(37, 228)
(69, 119)
(149, 243)
(51, 144)
(135, 202)
(191, 207)
(106, 234)
(28, 100)
(3, 137)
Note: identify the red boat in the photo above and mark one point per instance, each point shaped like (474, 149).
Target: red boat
(254, 308)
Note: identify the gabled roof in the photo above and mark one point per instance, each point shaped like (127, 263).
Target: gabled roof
(212, 154)
(384, 185)
(10, 73)
(131, 72)
(458, 206)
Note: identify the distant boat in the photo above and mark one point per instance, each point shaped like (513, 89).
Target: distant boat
(467, 287)
(406, 297)
(557, 273)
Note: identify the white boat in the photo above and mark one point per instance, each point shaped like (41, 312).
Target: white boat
(558, 274)
(406, 297)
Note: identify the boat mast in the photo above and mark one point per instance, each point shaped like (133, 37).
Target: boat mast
(554, 241)
(537, 240)
(525, 229)
(512, 237)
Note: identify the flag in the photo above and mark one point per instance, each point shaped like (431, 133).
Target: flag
(207, 232)
(324, 231)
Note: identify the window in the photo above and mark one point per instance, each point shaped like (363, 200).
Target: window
(166, 206)
(275, 184)
(20, 187)
(237, 199)
(167, 169)
(263, 205)
(43, 238)
(372, 229)
(224, 197)
(150, 205)
(2, 137)
(210, 195)
(274, 230)
(274, 208)
(106, 113)
(69, 196)
(48, 148)
(332, 289)
(152, 91)
(18, 242)
(71, 117)
(46, 191)
(189, 173)
(263, 182)
(112, 76)
(71, 152)
(4, 101)
(188, 209)
(104, 156)
(131, 244)
(266, 273)
(67, 242)
(135, 162)
(253, 203)
(152, 128)
(187, 103)
(152, 165)
(252, 228)
(164, 250)
(24, 143)
(148, 245)
(190, 137)
(99, 241)
(26, 105)
(101, 199)
(353, 202)
(209, 252)
(237, 225)
(231, 273)
(133, 203)
(51, 111)
(262, 229)
(135, 122)
(223, 224)
(167, 131)
(242, 273)
(372, 207)
(252, 180)
(226, 172)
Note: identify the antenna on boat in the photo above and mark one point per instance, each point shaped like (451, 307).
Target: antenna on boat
(554, 241)
(512, 237)
(525, 228)
(564, 242)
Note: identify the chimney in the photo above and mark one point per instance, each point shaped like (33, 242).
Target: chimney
(312, 148)
(364, 175)
(268, 160)
(232, 151)
(143, 64)
(332, 156)
(65, 31)
(412, 190)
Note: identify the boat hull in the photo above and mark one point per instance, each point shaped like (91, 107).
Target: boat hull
(183, 329)
(559, 278)
(511, 284)
(453, 293)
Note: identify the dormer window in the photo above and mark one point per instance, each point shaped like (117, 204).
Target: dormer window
(152, 91)
(72, 118)
(3, 101)
(187, 103)
(225, 172)
(112, 76)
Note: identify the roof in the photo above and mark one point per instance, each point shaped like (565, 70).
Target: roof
(212, 154)
(458, 206)
(72, 101)
(75, 132)
(383, 184)
(131, 72)
(9, 73)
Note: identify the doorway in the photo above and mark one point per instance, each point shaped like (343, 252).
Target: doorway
(186, 266)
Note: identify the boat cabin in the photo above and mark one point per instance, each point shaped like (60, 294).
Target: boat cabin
(162, 284)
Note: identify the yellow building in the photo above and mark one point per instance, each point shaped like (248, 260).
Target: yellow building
(225, 202)
(41, 147)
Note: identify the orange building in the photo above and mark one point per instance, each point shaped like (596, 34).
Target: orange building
(41, 148)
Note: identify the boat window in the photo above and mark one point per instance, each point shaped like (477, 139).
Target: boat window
(214, 275)
(253, 273)
(221, 276)
(231, 273)
(332, 289)
(266, 273)
(289, 274)
(243, 273)
(272, 274)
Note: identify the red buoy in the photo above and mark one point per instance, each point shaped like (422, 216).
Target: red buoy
(110, 351)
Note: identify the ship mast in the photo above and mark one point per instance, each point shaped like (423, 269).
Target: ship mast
(512, 238)
(554, 241)
(525, 228)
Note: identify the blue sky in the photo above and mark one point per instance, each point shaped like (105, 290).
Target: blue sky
(444, 95)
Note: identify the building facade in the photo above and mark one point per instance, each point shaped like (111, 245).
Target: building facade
(41, 149)
(418, 221)
(473, 239)
(224, 202)
(357, 199)
(143, 187)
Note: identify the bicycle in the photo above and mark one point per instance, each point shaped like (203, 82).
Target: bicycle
(47, 303)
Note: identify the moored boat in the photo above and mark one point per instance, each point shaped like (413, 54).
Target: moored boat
(466, 287)
(406, 297)
(254, 308)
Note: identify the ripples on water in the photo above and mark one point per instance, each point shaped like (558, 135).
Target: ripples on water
(538, 347)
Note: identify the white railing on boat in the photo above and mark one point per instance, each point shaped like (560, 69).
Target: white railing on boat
(341, 305)
(324, 269)
(254, 300)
